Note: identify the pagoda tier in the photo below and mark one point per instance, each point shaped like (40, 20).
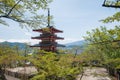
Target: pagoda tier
(51, 37)
(48, 46)
(50, 29)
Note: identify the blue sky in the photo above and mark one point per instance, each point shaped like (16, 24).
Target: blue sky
(74, 17)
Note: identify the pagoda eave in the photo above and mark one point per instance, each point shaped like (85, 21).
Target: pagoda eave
(48, 31)
(55, 30)
(48, 45)
(51, 28)
(38, 30)
(47, 38)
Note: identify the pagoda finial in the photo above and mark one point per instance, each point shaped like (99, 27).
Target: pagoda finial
(48, 17)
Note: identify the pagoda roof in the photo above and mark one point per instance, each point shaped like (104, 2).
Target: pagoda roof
(46, 45)
(47, 29)
(42, 37)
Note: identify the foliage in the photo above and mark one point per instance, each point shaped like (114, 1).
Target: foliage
(91, 57)
(52, 66)
(105, 40)
(107, 44)
(112, 2)
(10, 56)
(114, 63)
(25, 12)
(113, 18)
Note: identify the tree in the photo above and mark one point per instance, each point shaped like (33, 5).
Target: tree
(25, 12)
(9, 58)
(106, 42)
(92, 56)
(53, 66)
(113, 4)
(113, 18)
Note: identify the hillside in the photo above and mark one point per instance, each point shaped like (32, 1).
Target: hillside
(76, 43)
(73, 45)
(13, 44)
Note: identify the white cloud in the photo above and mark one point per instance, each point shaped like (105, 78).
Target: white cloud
(29, 41)
(28, 34)
(2, 40)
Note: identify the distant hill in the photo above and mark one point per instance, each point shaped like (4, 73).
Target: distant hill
(80, 45)
(12, 44)
(76, 43)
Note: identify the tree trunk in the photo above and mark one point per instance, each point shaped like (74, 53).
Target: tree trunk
(2, 76)
(81, 75)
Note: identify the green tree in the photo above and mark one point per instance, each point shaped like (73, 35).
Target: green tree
(25, 12)
(53, 66)
(106, 42)
(92, 56)
(8, 58)
(113, 18)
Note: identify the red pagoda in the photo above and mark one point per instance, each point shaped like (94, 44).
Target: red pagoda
(48, 37)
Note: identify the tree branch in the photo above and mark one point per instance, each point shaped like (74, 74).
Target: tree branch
(7, 15)
(13, 8)
(3, 16)
(15, 19)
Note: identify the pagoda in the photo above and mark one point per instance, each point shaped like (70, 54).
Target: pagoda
(48, 37)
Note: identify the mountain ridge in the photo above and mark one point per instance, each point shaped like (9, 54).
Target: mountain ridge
(80, 43)
(76, 43)
(21, 46)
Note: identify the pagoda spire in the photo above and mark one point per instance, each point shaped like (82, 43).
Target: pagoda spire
(48, 17)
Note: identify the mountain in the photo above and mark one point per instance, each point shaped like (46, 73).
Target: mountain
(78, 46)
(21, 46)
(76, 43)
